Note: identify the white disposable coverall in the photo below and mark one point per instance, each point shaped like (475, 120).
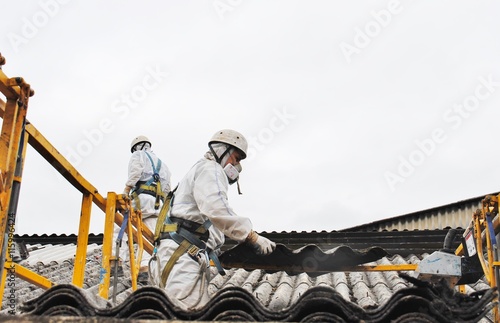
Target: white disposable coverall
(201, 195)
(141, 169)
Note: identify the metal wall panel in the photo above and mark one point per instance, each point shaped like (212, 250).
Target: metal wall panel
(455, 215)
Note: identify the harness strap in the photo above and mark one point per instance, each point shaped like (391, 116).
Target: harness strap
(151, 187)
(123, 226)
(135, 196)
(156, 175)
(184, 245)
(183, 234)
(213, 256)
(190, 243)
(150, 190)
(143, 189)
(173, 259)
(160, 223)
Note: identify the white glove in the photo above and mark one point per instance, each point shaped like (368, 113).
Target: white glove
(262, 245)
(126, 191)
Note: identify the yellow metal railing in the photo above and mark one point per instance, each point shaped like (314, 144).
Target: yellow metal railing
(16, 132)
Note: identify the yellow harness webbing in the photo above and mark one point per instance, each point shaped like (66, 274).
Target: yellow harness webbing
(183, 247)
(161, 226)
(151, 187)
(154, 190)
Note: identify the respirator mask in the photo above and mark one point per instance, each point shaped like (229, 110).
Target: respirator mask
(232, 172)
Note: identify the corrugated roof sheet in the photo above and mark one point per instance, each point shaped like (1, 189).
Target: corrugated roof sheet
(53, 253)
(310, 258)
(425, 302)
(244, 292)
(402, 242)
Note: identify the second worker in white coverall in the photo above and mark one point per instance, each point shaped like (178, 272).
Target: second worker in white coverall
(201, 211)
(148, 184)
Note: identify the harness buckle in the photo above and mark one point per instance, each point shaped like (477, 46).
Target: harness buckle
(156, 177)
(194, 251)
(196, 254)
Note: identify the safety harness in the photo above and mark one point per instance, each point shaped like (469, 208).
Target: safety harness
(150, 187)
(189, 235)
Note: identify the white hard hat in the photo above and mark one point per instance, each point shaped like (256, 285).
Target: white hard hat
(233, 138)
(137, 140)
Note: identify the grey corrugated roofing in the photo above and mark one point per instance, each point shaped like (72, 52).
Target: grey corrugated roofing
(57, 253)
(419, 303)
(274, 292)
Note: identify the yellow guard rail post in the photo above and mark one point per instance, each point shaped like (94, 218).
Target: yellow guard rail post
(132, 217)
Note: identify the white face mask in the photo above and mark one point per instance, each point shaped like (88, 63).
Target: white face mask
(232, 172)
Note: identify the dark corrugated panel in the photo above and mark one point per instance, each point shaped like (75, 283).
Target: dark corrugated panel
(428, 302)
(402, 242)
(56, 238)
(309, 259)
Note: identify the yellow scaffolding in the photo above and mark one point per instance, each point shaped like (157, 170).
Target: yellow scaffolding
(16, 132)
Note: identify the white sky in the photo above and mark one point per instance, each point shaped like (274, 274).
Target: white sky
(355, 111)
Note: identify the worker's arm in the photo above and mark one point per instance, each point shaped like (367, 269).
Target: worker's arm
(135, 168)
(210, 194)
(165, 178)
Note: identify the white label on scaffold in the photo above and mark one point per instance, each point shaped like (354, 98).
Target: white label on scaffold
(471, 246)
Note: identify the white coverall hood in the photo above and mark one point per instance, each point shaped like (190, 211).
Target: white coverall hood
(219, 149)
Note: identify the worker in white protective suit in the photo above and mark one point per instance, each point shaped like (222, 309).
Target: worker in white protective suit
(147, 185)
(200, 209)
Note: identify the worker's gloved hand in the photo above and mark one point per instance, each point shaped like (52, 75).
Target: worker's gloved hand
(126, 191)
(262, 245)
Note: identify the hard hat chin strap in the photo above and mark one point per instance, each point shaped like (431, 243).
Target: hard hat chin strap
(238, 184)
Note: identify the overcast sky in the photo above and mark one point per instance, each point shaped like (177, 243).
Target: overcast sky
(355, 111)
